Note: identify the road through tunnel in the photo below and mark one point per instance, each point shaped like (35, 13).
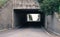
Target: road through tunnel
(25, 18)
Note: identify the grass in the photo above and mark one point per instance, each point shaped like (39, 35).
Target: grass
(2, 2)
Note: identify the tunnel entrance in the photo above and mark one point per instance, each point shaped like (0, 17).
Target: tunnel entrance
(28, 18)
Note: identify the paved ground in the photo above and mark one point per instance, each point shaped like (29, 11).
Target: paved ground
(28, 32)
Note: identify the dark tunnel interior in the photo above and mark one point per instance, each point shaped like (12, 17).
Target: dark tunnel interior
(20, 18)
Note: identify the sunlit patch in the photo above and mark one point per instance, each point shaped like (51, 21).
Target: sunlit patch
(33, 17)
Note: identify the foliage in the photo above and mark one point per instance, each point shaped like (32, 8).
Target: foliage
(30, 17)
(40, 1)
(50, 6)
(59, 9)
(2, 2)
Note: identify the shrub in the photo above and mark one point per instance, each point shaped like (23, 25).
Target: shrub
(2, 2)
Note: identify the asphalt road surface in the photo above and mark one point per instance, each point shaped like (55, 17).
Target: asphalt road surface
(26, 32)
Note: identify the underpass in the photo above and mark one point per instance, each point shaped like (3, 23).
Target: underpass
(26, 32)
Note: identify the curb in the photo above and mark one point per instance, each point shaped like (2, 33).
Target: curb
(53, 33)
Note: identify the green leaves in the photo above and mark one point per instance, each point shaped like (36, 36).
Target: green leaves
(30, 17)
(40, 1)
(59, 9)
(49, 6)
(2, 2)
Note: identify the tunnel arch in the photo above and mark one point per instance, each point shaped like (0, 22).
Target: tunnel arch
(21, 18)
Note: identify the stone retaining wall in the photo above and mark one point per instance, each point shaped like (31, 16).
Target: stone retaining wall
(6, 16)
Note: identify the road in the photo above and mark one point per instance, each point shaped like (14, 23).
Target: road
(26, 32)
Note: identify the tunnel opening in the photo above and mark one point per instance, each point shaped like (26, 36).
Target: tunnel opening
(25, 18)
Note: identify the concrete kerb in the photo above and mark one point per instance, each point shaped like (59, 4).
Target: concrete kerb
(53, 33)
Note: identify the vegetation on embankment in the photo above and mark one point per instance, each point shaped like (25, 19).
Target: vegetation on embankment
(2, 2)
(49, 6)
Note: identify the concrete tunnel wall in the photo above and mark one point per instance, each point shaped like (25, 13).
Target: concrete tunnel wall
(52, 25)
(6, 16)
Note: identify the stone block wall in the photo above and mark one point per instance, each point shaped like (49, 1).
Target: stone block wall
(6, 16)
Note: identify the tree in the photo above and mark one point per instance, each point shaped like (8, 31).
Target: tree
(50, 6)
(30, 17)
(2, 2)
(40, 1)
(59, 9)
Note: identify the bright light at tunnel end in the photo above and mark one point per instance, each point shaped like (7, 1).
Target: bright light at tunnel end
(33, 17)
